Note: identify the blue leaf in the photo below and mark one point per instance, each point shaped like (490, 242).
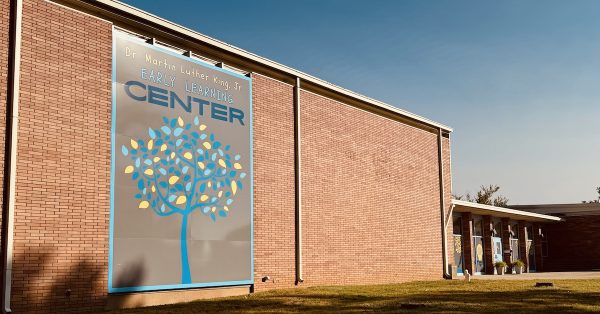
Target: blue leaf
(222, 213)
(195, 134)
(162, 171)
(206, 209)
(196, 120)
(173, 122)
(237, 157)
(203, 136)
(135, 175)
(141, 184)
(227, 147)
(212, 136)
(213, 217)
(162, 208)
(185, 169)
(163, 184)
(240, 186)
(179, 141)
(177, 131)
(166, 130)
(138, 196)
(207, 172)
(151, 133)
(172, 198)
(165, 120)
(188, 186)
(216, 144)
(148, 162)
(242, 175)
(186, 178)
(229, 201)
(124, 150)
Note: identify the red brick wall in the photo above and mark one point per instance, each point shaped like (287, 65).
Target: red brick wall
(274, 209)
(573, 244)
(4, 29)
(370, 197)
(63, 170)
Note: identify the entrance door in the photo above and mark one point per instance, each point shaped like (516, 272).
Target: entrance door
(497, 249)
(458, 254)
(531, 254)
(479, 263)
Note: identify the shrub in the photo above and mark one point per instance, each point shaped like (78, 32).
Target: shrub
(518, 263)
(500, 264)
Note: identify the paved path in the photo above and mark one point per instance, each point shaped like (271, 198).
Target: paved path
(546, 276)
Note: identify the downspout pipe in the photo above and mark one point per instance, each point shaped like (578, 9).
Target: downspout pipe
(297, 182)
(442, 206)
(10, 164)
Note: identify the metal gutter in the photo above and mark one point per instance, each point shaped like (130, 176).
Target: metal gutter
(119, 7)
(442, 204)
(10, 165)
(298, 182)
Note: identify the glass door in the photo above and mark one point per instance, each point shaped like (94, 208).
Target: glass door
(458, 252)
(478, 245)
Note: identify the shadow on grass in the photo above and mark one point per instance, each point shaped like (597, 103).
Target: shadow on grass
(457, 299)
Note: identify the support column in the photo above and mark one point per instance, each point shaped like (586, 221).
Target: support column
(506, 253)
(488, 250)
(467, 237)
(523, 245)
(537, 242)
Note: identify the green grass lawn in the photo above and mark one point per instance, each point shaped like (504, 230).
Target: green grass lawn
(483, 296)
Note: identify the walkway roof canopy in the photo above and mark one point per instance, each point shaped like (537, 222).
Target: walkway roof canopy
(481, 209)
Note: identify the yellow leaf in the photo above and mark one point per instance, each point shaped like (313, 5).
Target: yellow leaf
(134, 144)
(203, 198)
(144, 204)
(129, 169)
(163, 147)
(172, 155)
(180, 121)
(220, 194)
(207, 145)
(181, 200)
(153, 188)
(226, 208)
(156, 159)
(188, 155)
(209, 184)
(149, 172)
(173, 179)
(201, 165)
(202, 127)
(237, 166)
(213, 209)
(150, 144)
(233, 187)
(222, 163)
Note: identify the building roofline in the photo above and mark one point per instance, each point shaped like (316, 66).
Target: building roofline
(504, 212)
(567, 209)
(119, 7)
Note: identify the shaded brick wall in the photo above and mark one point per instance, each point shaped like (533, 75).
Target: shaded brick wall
(573, 244)
(370, 197)
(63, 170)
(274, 209)
(4, 29)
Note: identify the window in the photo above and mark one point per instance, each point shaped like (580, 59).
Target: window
(477, 227)
(457, 225)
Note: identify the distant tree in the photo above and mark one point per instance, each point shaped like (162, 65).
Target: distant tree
(182, 168)
(596, 200)
(485, 196)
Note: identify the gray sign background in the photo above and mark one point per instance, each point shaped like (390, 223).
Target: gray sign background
(146, 247)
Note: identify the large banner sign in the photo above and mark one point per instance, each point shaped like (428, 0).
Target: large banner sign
(181, 185)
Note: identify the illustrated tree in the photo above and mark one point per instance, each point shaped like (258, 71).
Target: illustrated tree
(182, 168)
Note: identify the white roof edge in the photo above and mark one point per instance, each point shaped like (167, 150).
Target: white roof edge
(123, 7)
(505, 210)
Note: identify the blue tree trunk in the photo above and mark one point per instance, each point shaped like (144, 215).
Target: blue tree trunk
(186, 276)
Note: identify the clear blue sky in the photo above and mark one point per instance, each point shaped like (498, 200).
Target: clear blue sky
(519, 81)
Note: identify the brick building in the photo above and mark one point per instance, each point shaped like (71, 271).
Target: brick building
(345, 189)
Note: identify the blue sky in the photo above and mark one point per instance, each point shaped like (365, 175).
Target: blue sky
(519, 81)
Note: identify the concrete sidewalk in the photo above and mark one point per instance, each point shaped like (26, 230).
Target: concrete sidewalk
(545, 276)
